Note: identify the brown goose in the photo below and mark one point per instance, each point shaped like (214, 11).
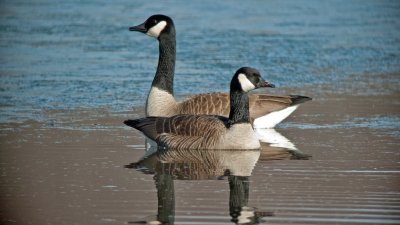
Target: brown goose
(207, 131)
(265, 110)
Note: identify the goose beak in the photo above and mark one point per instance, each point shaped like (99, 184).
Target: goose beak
(264, 83)
(140, 28)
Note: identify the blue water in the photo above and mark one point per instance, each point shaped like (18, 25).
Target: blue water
(80, 54)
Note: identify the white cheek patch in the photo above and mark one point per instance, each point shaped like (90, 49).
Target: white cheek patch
(156, 30)
(245, 83)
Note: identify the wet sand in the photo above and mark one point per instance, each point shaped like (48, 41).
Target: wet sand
(83, 167)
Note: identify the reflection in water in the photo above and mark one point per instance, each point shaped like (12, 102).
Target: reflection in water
(239, 210)
(197, 164)
(166, 200)
(168, 165)
(274, 138)
(274, 146)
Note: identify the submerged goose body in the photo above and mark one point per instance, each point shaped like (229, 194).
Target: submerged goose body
(209, 131)
(265, 110)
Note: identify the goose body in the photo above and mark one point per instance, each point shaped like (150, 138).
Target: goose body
(196, 132)
(209, 131)
(265, 110)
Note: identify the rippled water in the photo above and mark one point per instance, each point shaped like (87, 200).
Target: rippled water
(104, 176)
(75, 69)
(80, 54)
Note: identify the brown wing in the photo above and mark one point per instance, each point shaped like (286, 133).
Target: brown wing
(206, 104)
(190, 131)
(218, 104)
(262, 104)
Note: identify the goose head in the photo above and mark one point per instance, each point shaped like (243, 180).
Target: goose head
(155, 26)
(247, 79)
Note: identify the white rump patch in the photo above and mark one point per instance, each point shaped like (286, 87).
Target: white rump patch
(156, 30)
(245, 83)
(273, 118)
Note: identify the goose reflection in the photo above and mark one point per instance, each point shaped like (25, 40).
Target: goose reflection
(168, 165)
(274, 146)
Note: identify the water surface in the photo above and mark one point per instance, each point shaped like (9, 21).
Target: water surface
(80, 54)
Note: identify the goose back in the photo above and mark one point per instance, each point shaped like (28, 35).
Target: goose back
(218, 104)
(182, 131)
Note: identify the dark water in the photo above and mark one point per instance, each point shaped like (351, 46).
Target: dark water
(80, 54)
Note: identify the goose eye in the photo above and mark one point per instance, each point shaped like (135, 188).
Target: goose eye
(154, 21)
(257, 79)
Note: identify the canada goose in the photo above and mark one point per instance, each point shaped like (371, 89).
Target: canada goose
(207, 131)
(265, 110)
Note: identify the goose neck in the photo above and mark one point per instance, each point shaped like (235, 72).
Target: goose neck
(164, 77)
(239, 112)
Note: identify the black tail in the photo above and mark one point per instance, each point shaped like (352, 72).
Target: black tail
(146, 125)
(137, 123)
(131, 123)
(298, 99)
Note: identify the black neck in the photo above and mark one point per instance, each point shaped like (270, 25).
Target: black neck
(239, 107)
(164, 78)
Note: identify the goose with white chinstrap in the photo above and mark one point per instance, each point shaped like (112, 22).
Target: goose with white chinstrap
(265, 110)
(209, 131)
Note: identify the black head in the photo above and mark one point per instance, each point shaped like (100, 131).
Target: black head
(155, 25)
(247, 79)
